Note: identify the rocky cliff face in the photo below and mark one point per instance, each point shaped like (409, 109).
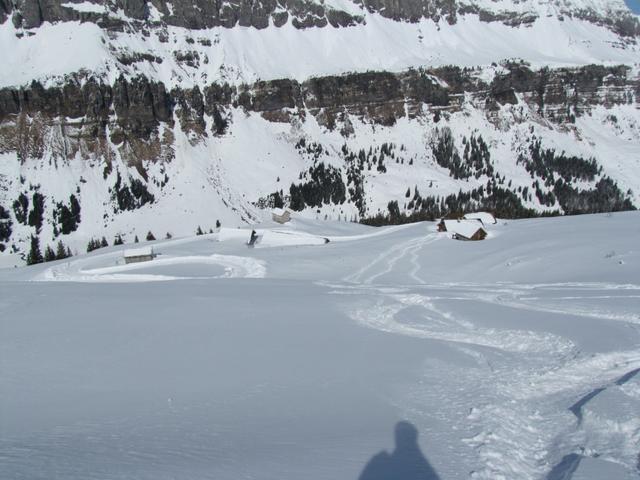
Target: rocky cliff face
(134, 109)
(200, 14)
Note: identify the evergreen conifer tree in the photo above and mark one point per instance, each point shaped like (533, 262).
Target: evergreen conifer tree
(49, 254)
(35, 255)
(92, 245)
(61, 251)
(36, 214)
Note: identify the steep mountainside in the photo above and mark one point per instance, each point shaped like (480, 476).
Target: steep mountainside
(129, 116)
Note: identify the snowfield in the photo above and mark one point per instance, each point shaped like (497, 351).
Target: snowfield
(245, 55)
(516, 357)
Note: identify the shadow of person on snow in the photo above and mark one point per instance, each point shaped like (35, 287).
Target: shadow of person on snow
(406, 462)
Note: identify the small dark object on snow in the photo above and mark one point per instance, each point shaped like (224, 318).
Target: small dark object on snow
(254, 237)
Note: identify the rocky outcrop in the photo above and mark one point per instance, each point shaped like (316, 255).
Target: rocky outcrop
(564, 93)
(413, 11)
(136, 117)
(136, 107)
(196, 14)
(199, 14)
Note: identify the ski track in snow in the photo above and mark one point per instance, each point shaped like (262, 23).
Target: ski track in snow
(541, 304)
(536, 429)
(441, 325)
(234, 267)
(390, 259)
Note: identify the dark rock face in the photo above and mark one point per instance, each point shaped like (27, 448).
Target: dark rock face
(130, 112)
(251, 13)
(195, 14)
(199, 14)
(31, 13)
(413, 11)
(134, 8)
(189, 106)
(139, 105)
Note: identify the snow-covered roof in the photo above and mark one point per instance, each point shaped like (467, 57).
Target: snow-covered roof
(484, 217)
(466, 228)
(138, 252)
(280, 211)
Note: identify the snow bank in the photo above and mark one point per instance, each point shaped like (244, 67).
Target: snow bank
(274, 238)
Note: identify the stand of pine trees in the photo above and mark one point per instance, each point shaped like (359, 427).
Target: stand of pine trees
(132, 196)
(35, 255)
(93, 244)
(324, 187)
(67, 218)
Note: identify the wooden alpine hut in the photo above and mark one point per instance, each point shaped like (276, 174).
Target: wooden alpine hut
(464, 229)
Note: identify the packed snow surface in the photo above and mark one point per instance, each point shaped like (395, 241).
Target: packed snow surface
(516, 357)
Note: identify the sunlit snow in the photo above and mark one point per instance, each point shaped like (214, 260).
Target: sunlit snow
(512, 357)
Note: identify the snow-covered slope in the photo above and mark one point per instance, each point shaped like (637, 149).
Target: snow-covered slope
(210, 178)
(175, 115)
(180, 57)
(551, 34)
(514, 357)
